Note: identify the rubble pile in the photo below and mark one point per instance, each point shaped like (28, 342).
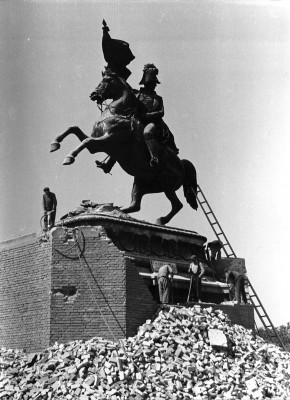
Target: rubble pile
(185, 353)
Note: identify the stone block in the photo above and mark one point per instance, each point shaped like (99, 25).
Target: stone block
(217, 339)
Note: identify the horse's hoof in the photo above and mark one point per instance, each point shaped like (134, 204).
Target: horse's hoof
(126, 210)
(54, 146)
(161, 221)
(130, 209)
(68, 160)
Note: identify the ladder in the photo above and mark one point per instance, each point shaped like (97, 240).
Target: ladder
(229, 252)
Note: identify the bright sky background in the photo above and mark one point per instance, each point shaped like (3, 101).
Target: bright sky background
(224, 72)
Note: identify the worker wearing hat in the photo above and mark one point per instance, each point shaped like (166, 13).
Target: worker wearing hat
(49, 204)
(196, 270)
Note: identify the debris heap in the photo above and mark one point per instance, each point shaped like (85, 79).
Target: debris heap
(185, 353)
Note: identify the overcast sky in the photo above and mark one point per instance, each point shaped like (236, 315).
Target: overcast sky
(224, 73)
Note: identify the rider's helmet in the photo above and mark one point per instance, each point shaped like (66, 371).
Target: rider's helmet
(150, 73)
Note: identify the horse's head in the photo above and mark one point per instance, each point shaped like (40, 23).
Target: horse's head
(110, 87)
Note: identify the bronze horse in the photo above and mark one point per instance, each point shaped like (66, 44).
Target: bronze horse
(119, 133)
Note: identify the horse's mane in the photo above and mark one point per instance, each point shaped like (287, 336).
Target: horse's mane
(140, 108)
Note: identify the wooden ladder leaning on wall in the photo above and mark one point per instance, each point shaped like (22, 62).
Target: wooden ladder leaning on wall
(229, 252)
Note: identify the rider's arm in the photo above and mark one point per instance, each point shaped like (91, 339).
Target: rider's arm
(156, 114)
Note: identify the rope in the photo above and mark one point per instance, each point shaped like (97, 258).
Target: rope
(81, 255)
(41, 224)
(76, 244)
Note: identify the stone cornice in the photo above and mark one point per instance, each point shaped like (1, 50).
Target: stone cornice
(94, 219)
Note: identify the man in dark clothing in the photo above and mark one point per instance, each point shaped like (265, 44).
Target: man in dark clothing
(236, 282)
(213, 250)
(213, 254)
(49, 204)
(150, 112)
(165, 275)
(196, 270)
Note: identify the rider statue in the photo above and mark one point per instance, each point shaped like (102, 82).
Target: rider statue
(119, 133)
(150, 112)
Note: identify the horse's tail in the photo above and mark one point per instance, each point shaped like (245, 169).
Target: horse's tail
(190, 184)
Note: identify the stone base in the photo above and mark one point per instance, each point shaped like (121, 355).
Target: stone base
(92, 276)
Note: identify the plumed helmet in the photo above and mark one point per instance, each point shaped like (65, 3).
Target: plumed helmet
(117, 53)
(150, 73)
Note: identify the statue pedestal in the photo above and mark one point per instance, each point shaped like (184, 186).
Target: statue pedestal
(94, 276)
(112, 285)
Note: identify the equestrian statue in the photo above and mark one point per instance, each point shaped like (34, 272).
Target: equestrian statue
(131, 131)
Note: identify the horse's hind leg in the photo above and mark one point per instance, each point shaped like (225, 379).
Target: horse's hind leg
(176, 207)
(72, 130)
(136, 198)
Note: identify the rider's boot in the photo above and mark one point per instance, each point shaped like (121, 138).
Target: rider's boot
(153, 150)
(106, 166)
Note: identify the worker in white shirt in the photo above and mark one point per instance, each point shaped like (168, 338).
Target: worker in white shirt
(196, 270)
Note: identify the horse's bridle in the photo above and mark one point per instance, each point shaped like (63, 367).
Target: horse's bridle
(105, 85)
(129, 112)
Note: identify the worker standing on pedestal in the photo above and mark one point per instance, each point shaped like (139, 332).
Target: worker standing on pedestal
(165, 276)
(213, 251)
(236, 283)
(49, 204)
(196, 270)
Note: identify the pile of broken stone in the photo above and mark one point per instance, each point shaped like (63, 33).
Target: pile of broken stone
(185, 353)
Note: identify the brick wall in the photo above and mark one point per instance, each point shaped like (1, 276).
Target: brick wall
(49, 294)
(88, 294)
(101, 294)
(24, 293)
(238, 314)
(140, 305)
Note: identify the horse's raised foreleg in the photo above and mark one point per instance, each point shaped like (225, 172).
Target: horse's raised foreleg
(93, 145)
(176, 207)
(136, 197)
(72, 130)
